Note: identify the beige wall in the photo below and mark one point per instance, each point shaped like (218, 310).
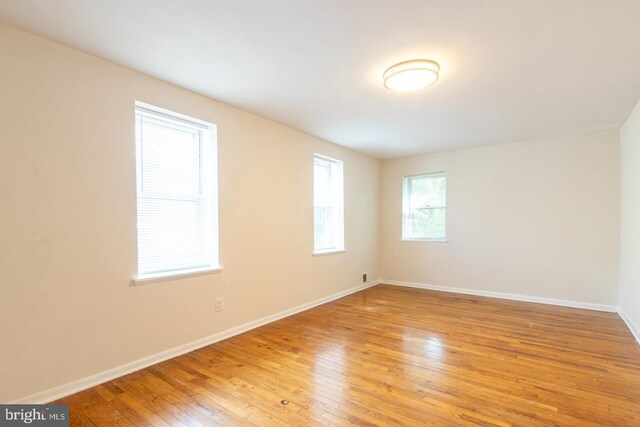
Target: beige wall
(537, 218)
(630, 217)
(68, 236)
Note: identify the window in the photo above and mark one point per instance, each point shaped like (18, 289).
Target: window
(328, 215)
(176, 194)
(424, 209)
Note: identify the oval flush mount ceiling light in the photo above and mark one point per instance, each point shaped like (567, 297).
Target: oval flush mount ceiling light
(411, 75)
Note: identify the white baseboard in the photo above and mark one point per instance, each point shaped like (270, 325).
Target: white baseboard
(635, 330)
(110, 374)
(501, 295)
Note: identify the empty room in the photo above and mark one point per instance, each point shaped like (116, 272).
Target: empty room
(320, 213)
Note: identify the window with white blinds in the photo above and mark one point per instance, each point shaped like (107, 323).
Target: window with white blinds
(424, 211)
(328, 204)
(176, 193)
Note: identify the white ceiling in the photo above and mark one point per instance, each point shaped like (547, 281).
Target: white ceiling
(511, 69)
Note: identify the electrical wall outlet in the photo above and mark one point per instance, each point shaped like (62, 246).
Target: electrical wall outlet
(364, 277)
(219, 304)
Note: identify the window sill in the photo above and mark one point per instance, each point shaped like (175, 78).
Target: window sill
(165, 277)
(445, 240)
(329, 252)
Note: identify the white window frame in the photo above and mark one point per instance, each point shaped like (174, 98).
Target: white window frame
(406, 208)
(336, 174)
(209, 179)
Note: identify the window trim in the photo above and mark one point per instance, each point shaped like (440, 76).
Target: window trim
(405, 208)
(183, 274)
(335, 164)
(329, 252)
(211, 175)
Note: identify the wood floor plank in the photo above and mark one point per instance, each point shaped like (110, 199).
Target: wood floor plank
(392, 356)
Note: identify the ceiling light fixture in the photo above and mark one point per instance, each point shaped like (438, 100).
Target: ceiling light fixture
(411, 75)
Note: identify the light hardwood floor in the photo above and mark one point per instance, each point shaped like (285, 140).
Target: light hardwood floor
(393, 356)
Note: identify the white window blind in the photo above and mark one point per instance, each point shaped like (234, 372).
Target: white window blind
(328, 204)
(176, 193)
(424, 209)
